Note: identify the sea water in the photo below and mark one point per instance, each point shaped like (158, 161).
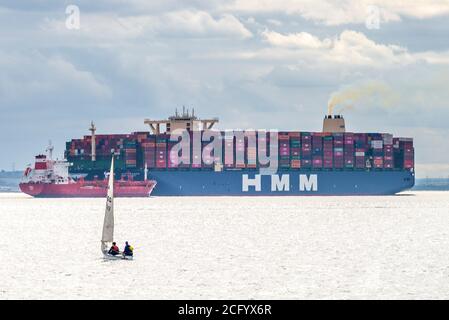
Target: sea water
(394, 247)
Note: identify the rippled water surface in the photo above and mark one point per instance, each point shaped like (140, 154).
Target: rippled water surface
(238, 248)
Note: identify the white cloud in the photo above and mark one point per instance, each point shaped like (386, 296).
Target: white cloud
(418, 8)
(296, 40)
(200, 23)
(351, 48)
(331, 12)
(185, 23)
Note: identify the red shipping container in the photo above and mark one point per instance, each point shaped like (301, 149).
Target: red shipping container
(295, 164)
(327, 163)
(388, 164)
(378, 162)
(408, 164)
(160, 164)
(317, 162)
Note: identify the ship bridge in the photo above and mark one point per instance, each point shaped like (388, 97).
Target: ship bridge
(184, 120)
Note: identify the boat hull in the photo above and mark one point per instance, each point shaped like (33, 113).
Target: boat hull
(283, 183)
(88, 189)
(117, 257)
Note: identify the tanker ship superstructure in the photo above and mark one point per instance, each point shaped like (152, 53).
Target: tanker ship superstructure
(210, 162)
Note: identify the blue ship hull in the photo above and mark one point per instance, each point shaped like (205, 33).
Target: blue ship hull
(284, 183)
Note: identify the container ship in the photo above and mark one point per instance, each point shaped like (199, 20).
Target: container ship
(202, 161)
(50, 178)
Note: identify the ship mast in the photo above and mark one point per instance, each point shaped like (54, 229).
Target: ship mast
(50, 150)
(92, 129)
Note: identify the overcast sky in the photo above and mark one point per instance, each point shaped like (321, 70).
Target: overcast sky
(253, 64)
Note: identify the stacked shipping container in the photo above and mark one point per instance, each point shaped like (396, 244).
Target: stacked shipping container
(284, 150)
(207, 154)
(377, 150)
(317, 150)
(306, 150)
(297, 150)
(338, 150)
(229, 151)
(149, 151)
(388, 151)
(263, 145)
(130, 154)
(360, 143)
(328, 154)
(406, 153)
(349, 150)
(161, 151)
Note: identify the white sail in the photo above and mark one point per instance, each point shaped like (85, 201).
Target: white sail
(108, 224)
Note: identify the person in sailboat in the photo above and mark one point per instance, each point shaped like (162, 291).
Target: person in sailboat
(128, 251)
(114, 249)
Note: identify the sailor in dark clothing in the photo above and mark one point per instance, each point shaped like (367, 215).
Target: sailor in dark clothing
(128, 251)
(114, 249)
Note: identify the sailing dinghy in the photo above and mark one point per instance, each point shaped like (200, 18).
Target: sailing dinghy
(108, 224)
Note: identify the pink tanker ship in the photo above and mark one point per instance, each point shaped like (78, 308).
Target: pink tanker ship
(50, 178)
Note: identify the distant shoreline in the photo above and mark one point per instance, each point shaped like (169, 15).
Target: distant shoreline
(9, 182)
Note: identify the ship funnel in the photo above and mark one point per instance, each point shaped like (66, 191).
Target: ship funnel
(334, 124)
